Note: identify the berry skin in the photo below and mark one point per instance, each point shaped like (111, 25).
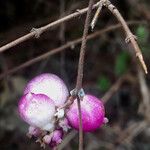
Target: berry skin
(93, 113)
(50, 85)
(37, 110)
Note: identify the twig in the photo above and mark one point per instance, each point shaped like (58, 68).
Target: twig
(130, 38)
(62, 41)
(126, 133)
(136, 130)
(80, 69)
(130, 132)
(115, 87)
(80, 125)
(38, 31)
(62, 25)
(95, 143)
(141, 8)
(96, 15)
(145, 94)
(83, 47)
(64, 47)
(67, 139)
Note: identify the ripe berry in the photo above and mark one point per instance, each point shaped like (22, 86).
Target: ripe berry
(93, 113)
(37, 110)
(50, 85)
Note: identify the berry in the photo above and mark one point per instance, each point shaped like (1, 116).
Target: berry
(37, 110)
(50, 85)
(92, 110)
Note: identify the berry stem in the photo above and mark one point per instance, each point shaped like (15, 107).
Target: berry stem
(80, 69)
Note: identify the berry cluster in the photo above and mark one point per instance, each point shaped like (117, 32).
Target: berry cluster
(40, 107)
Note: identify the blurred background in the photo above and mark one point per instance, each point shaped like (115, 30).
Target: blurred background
(111, 70)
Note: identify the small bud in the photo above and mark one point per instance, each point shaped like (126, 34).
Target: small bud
(47, 138)
(64, 124)
(56, 138)
(33, 131)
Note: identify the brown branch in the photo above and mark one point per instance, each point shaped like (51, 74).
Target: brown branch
(37, 32)
(62, 25)
(145, 94)
(141, 8)
(67, 139)
(130, 132)
(115, 87)
(62, 40)
(80, 69)
(80, 125)
(140, 126)
(64, 47)
(130, 38)
(95, 18)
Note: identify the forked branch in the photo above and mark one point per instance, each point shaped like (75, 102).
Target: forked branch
(36, 32)
(130, 38)
(64, 47)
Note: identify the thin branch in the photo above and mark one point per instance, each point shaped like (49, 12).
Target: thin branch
(83, 47)
(130, 38)
(93, 23)
(62, 25)
(67, 139)
(80, 69)
(145, 94)
(80, 125)
(116, 86)
(37, 32)
(113, 89)
(130, 132)
(62, 41)
(136, 131)
(64, 47)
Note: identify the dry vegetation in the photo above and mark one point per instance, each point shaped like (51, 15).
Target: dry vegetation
(111, 70)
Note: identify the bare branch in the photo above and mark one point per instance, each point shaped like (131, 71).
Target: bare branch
(130, 38)
(96, 15)
(115, 87)
(80, 69)
(130, 132)
(38, 31)
(64, 47)
(145, 94)
(67, 139)
(83, 47)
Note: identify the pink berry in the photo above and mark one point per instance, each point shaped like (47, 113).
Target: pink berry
(54, 138)
(33, 131)
(37, 110)
(92, 113)
(50, 85)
